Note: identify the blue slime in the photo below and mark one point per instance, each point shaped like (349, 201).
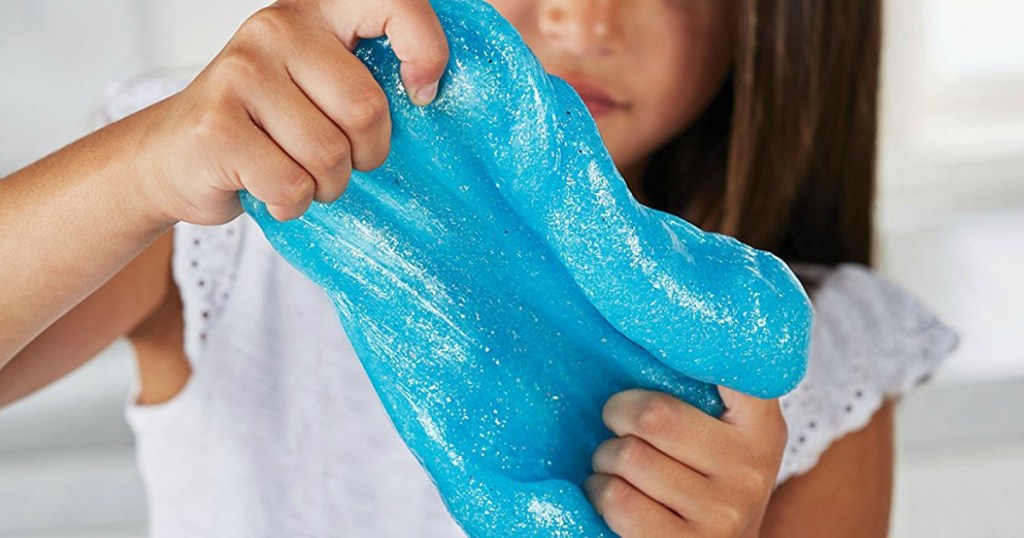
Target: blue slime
(499, 283)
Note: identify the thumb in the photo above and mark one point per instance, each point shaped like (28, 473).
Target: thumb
(415, 34)
(421, 46)
(747, 411)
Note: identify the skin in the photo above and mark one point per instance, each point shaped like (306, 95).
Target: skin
(287, 112)
(677, 53)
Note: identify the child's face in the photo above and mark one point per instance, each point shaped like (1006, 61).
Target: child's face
(662, 60)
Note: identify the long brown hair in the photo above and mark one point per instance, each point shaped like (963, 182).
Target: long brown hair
(784, 157)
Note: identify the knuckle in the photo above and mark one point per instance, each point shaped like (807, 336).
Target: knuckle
(632, 453)
(615, 493)
(331, 188)
(212, 127)
(296, 187)
(653, 416)
(266, 25)
(237, 68)
(752, 482)
(331, 152)
(367, 110)
(728, 520)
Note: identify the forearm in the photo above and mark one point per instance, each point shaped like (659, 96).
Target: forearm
(284, 111)
(68, 223)
(125, 302)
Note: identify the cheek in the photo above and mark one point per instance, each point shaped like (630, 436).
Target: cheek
(671, 100)
(678, 77)
(671, 67)
(664, 102)
(518, 12)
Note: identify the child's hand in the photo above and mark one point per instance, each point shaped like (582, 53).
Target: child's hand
(286, 110)
(674, 471)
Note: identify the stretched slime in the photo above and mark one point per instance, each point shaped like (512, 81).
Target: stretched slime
(499, 283)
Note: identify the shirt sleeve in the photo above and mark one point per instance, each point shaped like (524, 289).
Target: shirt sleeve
(870, 341)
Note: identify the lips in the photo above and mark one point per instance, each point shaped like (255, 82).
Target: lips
(598, 100)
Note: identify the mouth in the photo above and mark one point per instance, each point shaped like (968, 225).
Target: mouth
(598, 100)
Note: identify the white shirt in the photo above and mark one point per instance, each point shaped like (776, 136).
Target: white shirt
(279, 431)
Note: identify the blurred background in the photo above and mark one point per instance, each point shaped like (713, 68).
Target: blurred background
(950, 223)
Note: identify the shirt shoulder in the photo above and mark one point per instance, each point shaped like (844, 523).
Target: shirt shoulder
(871, 341)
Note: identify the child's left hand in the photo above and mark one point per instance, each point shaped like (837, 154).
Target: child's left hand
(675, 471)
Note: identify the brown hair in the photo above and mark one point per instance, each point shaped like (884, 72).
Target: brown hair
(784, 157)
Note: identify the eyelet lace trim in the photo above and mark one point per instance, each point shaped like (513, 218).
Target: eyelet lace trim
(870, 341)
(205, 269)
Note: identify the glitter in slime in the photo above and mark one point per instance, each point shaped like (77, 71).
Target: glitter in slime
(499, 283)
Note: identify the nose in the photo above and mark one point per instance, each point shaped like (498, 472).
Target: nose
(582, 27)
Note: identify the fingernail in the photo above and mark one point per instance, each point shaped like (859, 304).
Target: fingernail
(426, 94)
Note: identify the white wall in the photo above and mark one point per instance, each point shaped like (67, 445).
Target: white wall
(951, 204)
(951, 223)
(57, 55)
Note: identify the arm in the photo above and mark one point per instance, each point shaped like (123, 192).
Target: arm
(285, 111)
(69, 222)
(118, 307)
(848, 492)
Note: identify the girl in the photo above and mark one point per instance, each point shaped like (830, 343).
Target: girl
(252, 415)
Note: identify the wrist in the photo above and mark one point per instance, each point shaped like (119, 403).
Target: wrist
(141, 181)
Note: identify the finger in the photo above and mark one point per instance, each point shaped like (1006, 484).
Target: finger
(652, 472)
(629, 512)
(301, 130)
(342, 87)
(415, 34)
(671, 425)
(266, 171)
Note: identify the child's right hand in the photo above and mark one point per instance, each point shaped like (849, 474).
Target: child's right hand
(286, 111)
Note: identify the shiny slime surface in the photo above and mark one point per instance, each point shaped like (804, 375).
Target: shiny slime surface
(499, 283)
